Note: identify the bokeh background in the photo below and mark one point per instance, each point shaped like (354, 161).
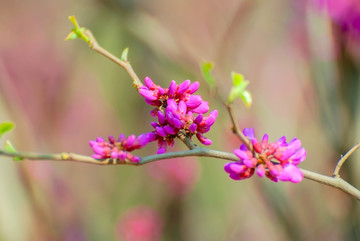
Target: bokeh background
(303, 62)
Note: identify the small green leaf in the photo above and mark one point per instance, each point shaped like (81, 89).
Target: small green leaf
(237, 78)
(9, 147)
(73, 20)
(246, 98)
(5, 127)
(236, 92)
(72, 35)
(206, 68)
(124, 55)
(238, 89)
(77, 32)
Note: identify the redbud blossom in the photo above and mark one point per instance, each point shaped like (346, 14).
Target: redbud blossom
(177, 110)
(119, 149)
(277, 161)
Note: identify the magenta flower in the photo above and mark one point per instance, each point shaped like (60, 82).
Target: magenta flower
(177, 118)
(277, 161)
(177, 109)
(157, 96)
(119, 149)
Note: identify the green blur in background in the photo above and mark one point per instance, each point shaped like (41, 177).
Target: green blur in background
(304, 78)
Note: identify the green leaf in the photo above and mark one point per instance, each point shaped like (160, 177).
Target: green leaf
(77, 32)
(72, 35)
(124, 55)
(9, 147)
(73, 20)
(5, 127)
(246, 98)
(238, 89)
(206, 68)
(237, 78)
(236, 92)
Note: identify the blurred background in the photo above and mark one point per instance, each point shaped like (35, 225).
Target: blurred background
(303, 62)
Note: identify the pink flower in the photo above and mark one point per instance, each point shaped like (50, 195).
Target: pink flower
(119, 149)
(139, 224)
(277, 161)
(291, 173)
(155, 95)
(177, 109)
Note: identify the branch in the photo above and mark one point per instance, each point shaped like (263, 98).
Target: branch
(343, 159)
(88, 37)
(186, 140)
(199, 151)
(236, 128)
(335, 182)
(64, 156)
(94, 45)
(68, 156)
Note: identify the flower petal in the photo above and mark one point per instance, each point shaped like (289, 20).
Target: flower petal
(260, 170)
(147, 94)
(194, 87)
(184, 86)
(243, 155)
(249, 133)
(148, 82)
(194, 101)
(291, 173)
(172, 88)
(202, 109)
(203, 139)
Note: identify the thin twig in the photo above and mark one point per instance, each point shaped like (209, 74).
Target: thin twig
(343, 159)
(236, 128)
(94, 45)
(54, 157)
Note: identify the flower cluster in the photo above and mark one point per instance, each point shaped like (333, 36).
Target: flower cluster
(119, 149)
(277, 161)
(175, 109)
